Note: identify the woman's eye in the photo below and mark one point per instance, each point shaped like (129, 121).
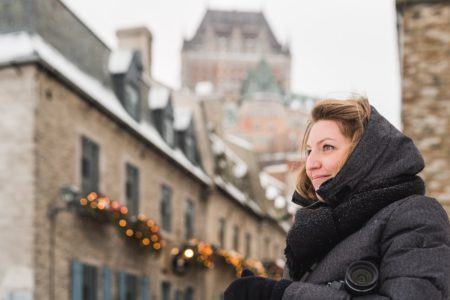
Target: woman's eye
(308, 152)
(327, 147)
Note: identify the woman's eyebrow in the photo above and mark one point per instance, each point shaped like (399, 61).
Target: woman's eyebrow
(321, 141)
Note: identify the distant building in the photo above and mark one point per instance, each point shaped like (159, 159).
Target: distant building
(424, 43)
(110, 188)
(272, 121)
(226, 46)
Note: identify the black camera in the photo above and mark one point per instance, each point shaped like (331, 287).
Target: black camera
(361, 277)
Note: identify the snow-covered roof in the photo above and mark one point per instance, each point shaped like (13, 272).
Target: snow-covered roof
(238, 195)
(278, 168)
(240, 167)
(158, 96)
(21, 46)
(120, 61)
(239, 141)
(183, 117)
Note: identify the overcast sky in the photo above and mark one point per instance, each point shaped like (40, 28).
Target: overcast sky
(336, 45)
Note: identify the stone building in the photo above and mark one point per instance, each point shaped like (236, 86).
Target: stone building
(152, 217)
(245, 71)
(226, 46)
(424, 43)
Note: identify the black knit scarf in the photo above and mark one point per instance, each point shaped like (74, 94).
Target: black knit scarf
(320, 227)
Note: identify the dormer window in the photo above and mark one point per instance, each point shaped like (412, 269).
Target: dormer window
(168, 131)
(160, 103)
(132, 100)
(185, 134)
(126, 67)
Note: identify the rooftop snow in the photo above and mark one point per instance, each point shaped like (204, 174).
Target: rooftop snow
(120, 61)
(238, 195)
(240, 168)
(22, 46)
(239, 141)
(183, 117)
(158, 96)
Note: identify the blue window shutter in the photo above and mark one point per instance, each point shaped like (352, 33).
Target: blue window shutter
(145, 288)
(77, 279)
(122, 286)
(107, 284)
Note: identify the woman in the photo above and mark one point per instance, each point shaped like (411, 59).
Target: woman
(363, 204)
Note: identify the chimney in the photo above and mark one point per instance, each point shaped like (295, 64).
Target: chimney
(140, 39)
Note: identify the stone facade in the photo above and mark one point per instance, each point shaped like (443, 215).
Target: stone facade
(17, 169)
(51, 106)
(424, 38)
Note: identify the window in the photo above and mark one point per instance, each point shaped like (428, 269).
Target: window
(236, 238)
(191, 150)
(189, 219)
(107, 284)
(189, 295)
(223, 41)
(145, 288)
(178, 295)
(132, 100)
(166, 208)
(132, 189)
(89, 165)
(267, 248)
(165, 291)
(222, 232)
(168, 131)
(249, 42)
(83, 281)
(128, 286)
(248, 245)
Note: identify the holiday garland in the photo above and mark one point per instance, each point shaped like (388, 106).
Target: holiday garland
(205, 255)
(147, 235)
(141, 229)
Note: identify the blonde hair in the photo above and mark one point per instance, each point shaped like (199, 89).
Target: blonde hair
(351, 115)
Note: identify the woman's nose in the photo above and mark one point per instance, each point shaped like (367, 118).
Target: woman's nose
(312, 163)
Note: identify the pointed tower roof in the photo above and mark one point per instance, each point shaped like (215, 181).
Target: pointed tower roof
(223, 22)
(261, 81)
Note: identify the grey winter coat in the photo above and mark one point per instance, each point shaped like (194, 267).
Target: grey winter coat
(409, 238)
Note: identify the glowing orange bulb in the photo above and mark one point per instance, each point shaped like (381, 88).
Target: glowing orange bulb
(94, 204)
(150, 223)
(114, 204)
(122, 223)
(129, 232)
(101, 206)
(154, 229)
(124, 210)
(83, 201)
(154, 238)
(145, 241)
(92, 196)
(157, 246)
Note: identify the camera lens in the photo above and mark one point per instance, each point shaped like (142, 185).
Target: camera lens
(361, 277)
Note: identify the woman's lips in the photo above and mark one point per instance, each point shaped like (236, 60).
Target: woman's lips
(317, 177)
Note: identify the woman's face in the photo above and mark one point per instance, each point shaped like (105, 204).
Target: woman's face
(327, 148)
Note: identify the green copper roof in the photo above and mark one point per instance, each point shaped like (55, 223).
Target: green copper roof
(261, 80)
